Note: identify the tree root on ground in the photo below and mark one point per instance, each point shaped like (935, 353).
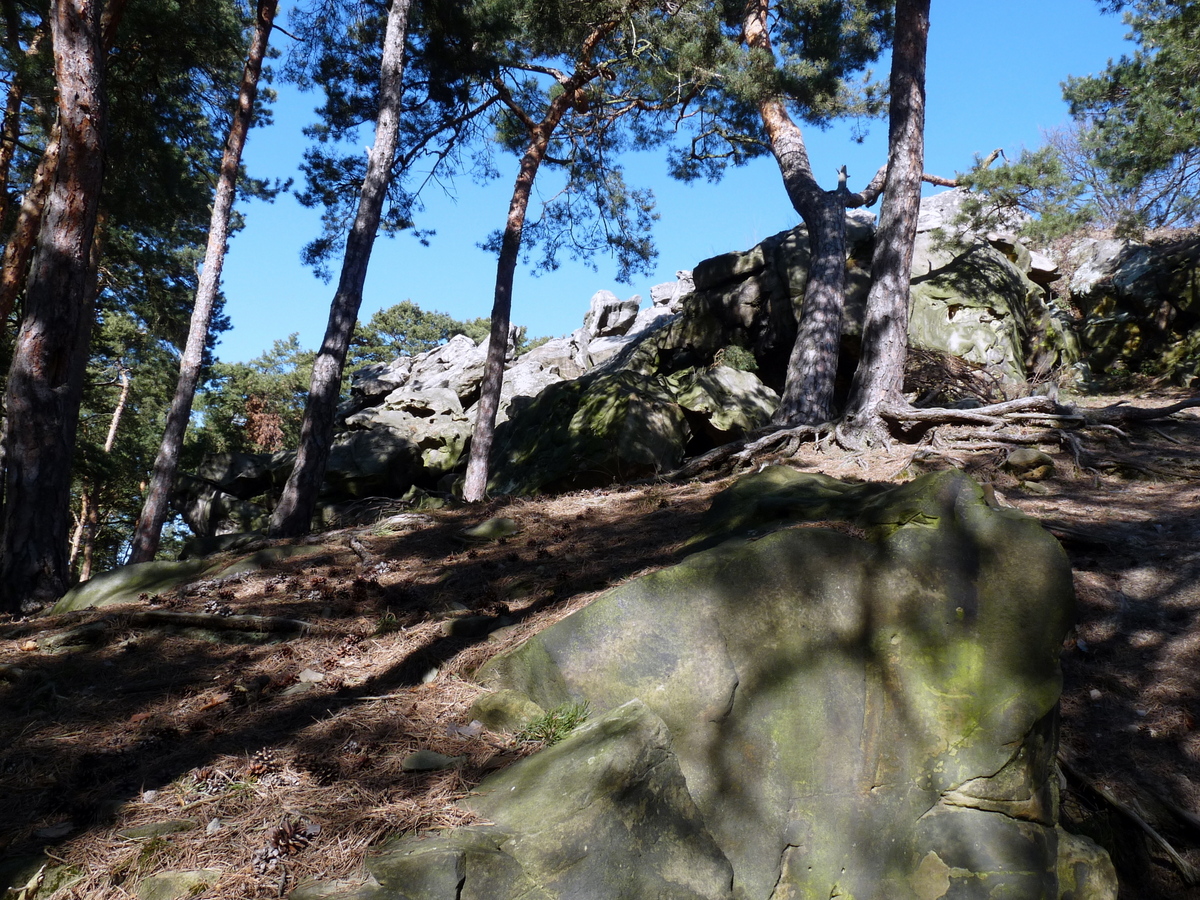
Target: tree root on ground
(1062, 424)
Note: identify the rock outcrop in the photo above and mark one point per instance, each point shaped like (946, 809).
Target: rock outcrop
(635, 391)
(848, 690)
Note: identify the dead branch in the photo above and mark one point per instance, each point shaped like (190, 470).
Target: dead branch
(1122, 413)
(992, 414)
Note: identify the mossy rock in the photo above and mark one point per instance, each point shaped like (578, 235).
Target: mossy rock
(126, 584)
(844, 705)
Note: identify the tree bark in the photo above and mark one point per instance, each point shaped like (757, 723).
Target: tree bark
(10, 129)
(44, 385)
(808, 389)
(475, 485)
(294, 513)
(880, 374)
(19, 250)
(154, 508)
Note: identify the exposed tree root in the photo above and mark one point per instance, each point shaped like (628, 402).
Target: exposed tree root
(941, 426)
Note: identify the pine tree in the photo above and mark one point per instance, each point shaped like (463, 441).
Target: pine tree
(293, 513)
(154, 510)
(46, 378)
(879, 377)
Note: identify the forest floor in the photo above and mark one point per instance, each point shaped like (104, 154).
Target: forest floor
(283, 762)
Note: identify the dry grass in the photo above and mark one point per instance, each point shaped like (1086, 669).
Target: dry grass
(145, 726)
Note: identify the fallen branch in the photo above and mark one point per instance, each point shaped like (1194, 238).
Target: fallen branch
(1122, 413)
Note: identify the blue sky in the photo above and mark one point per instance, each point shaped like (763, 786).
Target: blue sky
(994, 76)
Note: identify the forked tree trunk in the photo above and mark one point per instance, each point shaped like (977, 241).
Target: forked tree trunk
(484, 432)
(45, 384)
(154, 508)
(880, 374)
(294, 513)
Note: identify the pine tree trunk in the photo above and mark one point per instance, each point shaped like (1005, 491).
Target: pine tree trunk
(812, 366)
(880, 374)
(85, 501)
(294, 513)
(45, 383)
(154, 508)
(91, 527)
(808, 388)
(14, 268)
(475, 486)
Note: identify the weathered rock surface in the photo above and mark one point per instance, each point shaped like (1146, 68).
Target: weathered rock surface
(1140, 305)
(849, 714)
(614, 815)
(622, 396)
(620, 423)
(126, 584)
(852, 692)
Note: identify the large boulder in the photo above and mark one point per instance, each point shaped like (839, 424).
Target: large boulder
(1140, 305)
(864, 706)
(613, 816)
(620, 423)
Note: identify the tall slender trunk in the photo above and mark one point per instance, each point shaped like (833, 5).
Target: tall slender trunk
(808, 389)
(89, 495)
(154, 509)
(482, 436)
(880, 374)
(294, 513)
(44, 387)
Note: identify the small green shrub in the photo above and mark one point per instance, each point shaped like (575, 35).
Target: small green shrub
(551, 727)
(739, 358)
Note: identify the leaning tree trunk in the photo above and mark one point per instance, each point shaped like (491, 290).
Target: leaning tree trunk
(808, 389)
(475, 485)
(10, 128)
(880, 374)
(44, 387)
(294, 513)
(154, 509)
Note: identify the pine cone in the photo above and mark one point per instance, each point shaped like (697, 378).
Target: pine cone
(262, 762)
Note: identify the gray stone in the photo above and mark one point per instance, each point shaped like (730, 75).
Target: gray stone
(380, 379)
(1085, 871)
(842, 707)
(730, 402)
(604, 814)
(506, 711)
(609, 316)
(158, 829)
(125, 584)
(429, 761)
(495, 529)
(1026, 462)
(589, 431)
